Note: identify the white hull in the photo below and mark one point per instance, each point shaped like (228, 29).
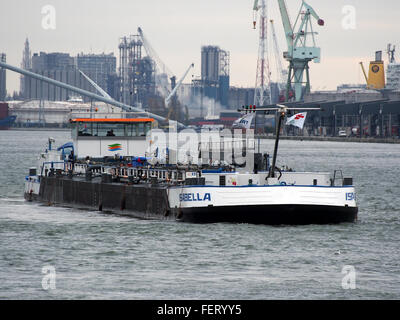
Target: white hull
(204, 196)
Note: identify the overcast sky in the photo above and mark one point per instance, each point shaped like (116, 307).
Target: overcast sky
(178, 28)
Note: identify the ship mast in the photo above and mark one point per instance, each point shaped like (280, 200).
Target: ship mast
(281, 111)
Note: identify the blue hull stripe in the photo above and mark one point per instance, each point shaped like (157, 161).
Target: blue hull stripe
(256, 186)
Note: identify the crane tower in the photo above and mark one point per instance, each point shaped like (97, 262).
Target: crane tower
(301, 47)
(262, 94)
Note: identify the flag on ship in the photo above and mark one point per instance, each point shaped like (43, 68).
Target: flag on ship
(297, 120)
(243, 122)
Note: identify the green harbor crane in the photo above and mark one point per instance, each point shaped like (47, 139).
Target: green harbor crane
(301, 48)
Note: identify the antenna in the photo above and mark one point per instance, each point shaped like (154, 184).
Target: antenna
(391, 51)
(262, 94)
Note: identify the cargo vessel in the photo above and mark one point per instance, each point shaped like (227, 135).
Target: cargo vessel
(107, 167)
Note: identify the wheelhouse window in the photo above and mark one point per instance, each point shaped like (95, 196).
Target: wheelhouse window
(85, 129)
(138, 129)
(109, 129)
(147, 127)
(132, 130)
(141, 129)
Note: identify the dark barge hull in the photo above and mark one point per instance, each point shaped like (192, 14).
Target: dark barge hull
(270, 214)
(151, 202)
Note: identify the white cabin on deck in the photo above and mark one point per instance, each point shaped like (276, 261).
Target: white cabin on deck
(101, 137)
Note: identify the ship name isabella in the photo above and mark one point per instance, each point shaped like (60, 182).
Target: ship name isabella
(194, 197)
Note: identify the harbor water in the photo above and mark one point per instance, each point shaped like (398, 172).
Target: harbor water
(98, 255)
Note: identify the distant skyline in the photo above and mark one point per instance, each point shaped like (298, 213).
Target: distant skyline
(178, 28)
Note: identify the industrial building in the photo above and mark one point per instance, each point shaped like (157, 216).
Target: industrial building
(57, 66)
(393, 77)
(36, 113)
(3, 82)
(134, 84)
(214, 81)
(365, 113)
(352, 95)
(215, 65)
(142, 80)
(393, 70)
(239, 97)
(52, 61)
(62, 67)
(26, 64)
(136, 73)
(101, 68)
(364, 118)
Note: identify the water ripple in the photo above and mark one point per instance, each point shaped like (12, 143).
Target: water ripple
(99, 255)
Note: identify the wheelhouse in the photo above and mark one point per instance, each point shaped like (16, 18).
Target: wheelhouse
(105, 137)
(136, 127)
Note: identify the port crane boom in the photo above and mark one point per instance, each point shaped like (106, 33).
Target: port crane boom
(300, 52)
(89, 94)
(365, 74)
(168, 99)
(287, 25)
(163, 72)
(153, 54)
(281, 73)
(94, 84)
(165, 79)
